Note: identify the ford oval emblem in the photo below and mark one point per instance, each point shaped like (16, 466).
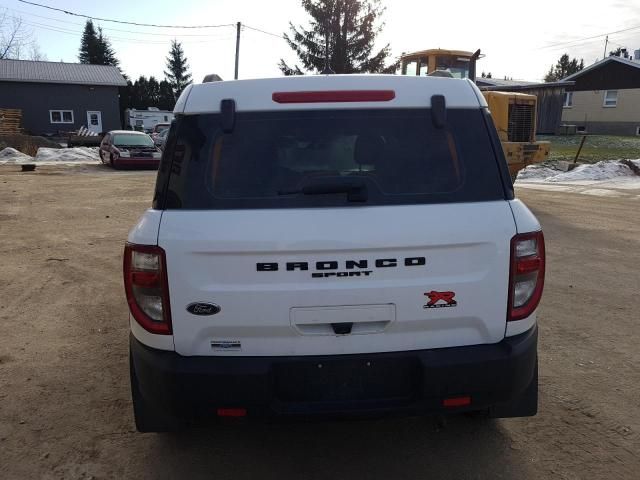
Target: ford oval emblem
(203, 308)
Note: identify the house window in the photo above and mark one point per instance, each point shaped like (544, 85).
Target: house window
(568, 100)
(61, 116)
(610, 98)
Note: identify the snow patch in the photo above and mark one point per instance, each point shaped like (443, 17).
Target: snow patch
(52, 156)
(604, 170)
(11, 155)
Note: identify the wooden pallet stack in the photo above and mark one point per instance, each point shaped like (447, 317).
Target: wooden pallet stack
(10, 120)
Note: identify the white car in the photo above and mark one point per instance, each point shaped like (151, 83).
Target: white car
(333, 245)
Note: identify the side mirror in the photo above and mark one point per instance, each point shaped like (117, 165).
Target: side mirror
(438, 111)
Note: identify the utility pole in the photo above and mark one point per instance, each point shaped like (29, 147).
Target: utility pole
(238, 28)
(606, 42)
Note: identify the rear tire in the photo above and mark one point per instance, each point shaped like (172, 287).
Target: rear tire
(524, 405)
(112, 164)
(149, 418)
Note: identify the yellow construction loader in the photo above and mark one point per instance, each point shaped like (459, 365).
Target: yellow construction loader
(514, 114)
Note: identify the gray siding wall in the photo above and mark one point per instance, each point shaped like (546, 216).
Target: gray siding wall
(610, 128)
(36, 99)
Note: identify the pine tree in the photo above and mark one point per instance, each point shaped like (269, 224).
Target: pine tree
(166, 100)
(88, 44)
(106, 55)
(153, 91)
(95, 48)
(177, 73)
(351, 26)
(563, 68)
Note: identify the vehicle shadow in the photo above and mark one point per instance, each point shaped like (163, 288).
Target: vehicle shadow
(386, 449)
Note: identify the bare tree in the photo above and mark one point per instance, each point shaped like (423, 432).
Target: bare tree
(36, 54)
(15, 37)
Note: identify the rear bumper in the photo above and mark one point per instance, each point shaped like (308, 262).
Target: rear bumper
(405, 382)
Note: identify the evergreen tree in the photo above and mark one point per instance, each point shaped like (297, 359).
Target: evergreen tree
(95, 48)
(563, 68)
(166, 100)
(147, 92)
(88, 44)
(106, 55)
(351, 27)
(177, 73)
(153, 92)
(140, 94)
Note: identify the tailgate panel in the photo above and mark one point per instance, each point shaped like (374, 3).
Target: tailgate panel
(287, 306)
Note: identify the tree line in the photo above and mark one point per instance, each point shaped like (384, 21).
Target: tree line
(340, 38)
(96, 49)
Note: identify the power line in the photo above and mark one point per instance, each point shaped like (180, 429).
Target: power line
(264, 31)
(22, 12)
(118, 39)
(586, 38)
(122, 21)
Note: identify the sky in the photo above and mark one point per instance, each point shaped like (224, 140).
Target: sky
(520, 40)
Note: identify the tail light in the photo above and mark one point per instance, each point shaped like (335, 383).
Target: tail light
(526, 279)
(146, 286)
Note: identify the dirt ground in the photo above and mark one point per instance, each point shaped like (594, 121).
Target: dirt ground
(64, 396)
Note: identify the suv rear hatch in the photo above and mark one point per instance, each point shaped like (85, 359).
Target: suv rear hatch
(334, 232)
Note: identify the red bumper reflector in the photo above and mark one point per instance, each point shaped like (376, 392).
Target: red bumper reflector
(456, 402)
(334, 96)
(232, 412)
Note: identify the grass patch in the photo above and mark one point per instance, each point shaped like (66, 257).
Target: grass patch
(596, 147)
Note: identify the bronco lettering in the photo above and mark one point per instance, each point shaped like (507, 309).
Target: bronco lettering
(327, 268)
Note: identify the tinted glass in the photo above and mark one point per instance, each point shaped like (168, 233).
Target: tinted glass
(131, 140)
(271, 160)
(458, 67)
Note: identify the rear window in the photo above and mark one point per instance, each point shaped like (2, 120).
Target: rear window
(325, 158)
(132, 140)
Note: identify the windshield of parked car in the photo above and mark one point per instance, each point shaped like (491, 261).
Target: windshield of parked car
(132, 140)
(332, 158)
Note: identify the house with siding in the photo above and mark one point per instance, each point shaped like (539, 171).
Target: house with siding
(605, 97)
(57, 97)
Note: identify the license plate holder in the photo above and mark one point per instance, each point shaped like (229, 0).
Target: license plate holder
(347, 380)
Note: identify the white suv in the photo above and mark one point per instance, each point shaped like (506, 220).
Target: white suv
(334, 245)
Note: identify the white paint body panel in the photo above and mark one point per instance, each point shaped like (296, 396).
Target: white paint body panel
(160, 342)
(525, 220)
(145, 232)
(212, 256)
(256, 95)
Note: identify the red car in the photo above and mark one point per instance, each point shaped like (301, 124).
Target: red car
(125, 148)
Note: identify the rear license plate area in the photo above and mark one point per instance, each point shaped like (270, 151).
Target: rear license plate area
(348, 380)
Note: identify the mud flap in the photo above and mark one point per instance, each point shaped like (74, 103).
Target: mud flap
(149, 418)
(524, 405)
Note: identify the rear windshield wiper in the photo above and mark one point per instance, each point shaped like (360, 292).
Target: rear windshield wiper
(356, 191)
